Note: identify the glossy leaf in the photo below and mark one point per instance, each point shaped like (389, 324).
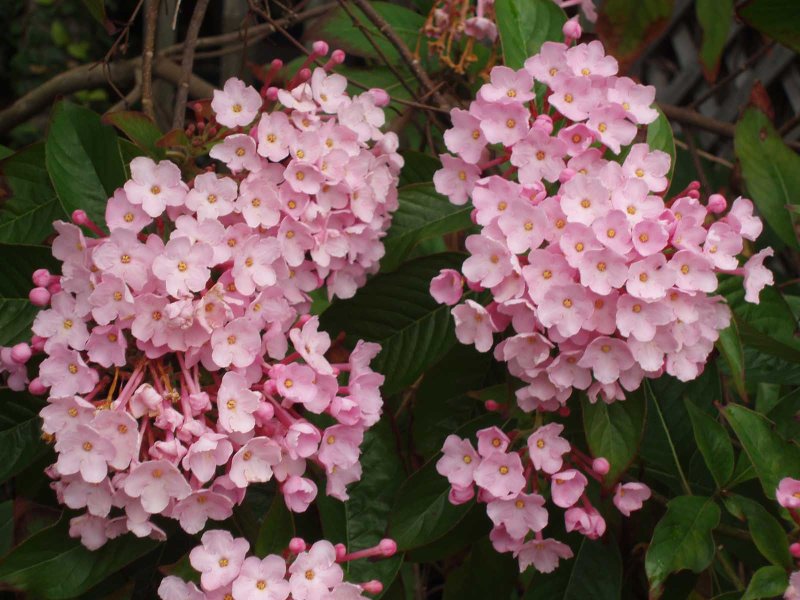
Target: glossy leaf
(772, 457)
(140, 129)
(51, 565)
(614, 431)
(778, 19)
(485, 574)
(16, 312)
(396, 310)
(682, 539)
(767, 582)
(29, 203)
(524, 25)
(730, 346)
(627, 27)
(83, 159)
(715, 19)
(714, 444)
(422, 214)
(276, 529)
(6, 526)
(767, 533)
(418, 168)
(771, 172)
(661, 137)
(20, 432)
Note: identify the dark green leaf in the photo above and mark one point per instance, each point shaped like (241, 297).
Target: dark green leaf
(16, 312)
(767, 533)
(767, 582)
(660, 137)
(730, 346)
(29, 203)
(276, 529)
(418, 168)
(595, 572)
(96, 9)
(140, 129)
(20, 433)
(627, 27)
(778, 19)
(614, 431)
(715, 17)
(422, 512)
(485, 574)
(396, 310)
(714, 444)
(682, 539)
(6, 526)
(83, 160)
(51, 565)
(524, 25)
(772, 458)
(422, 214)
(771, 172)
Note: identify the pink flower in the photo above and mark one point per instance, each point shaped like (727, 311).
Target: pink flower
(756, 275)
(465, 138)
(237, 344)
(651, 166)
(174, 588)
(312, 345)
(254, 461)
(602, 270)
(236, 404)
(507, 85)
(793, 591)
(111, 299)
(193, 511)
(788, 493)
(612, 127)
(567, 487)
(649, 278)
(219, 559)
(547, 447)
(298, 493)
(491, 440)
(155, 483)
(62, 324)
(590, 59)
(236, 104)
(447, 287)
(542, 554)
(637, 101)
(262, 579)
(585, 521)
(340, 446)
(90, 529)
(538, 156)
(607, 357)
(456, 179)
(489, 261)
(565, 307)
(183, 267)
(238, 152)
(155, 186)
(212, 197)
(519, 515)
(629, 497)
(505, 123)
(693, 272)
(123, 214)
(275, 133)
(501, 475)
(254, 264)
(66, 374)
(315, 572)
(473, 325)
(83, 450)
(639, 319)
(742, 220)
(208, 452)
(458, 461)
(124, 256)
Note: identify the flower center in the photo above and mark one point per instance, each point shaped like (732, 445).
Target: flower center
(511, 123)
(156, 315)
(309, 575)
(519, 504)
(73, 412)
(476, 134)
(605, 348)
(528, 226)
(567, 303)
(231, 404)
(330, 440)
(467, 459)
(643, 277)
(223, 562)
(637, 308)
(240, 152)
(128, 217)
(602, 127)
(261, 584)
(540, 444)
(155, 190)
(685, 269)
(540, 155)
(271, 138)
(117, 296)
(212, 198)
(182, 266)
(247, 455)
(586, 203)
(125, 259)
(72, 368)
(231, 340)
(547, 274)
(640, 172)
(156, 474)
(601, 266)
(503, 470)
(237, 108)
(568, 98)
(255, 202)
(67, 323)
(87, 446)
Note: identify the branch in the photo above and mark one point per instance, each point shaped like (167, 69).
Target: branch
(405, 53)
(150, 24)
(182, 93)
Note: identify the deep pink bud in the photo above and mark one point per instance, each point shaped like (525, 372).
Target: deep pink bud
(544, 123)
(372, 587)
(564, 411)
(36, 387)
(37, 343)
(338, 56)
(341, 552)
(79, 217)
(54, 287)
(320, 48)
(21, 353)
(693, 194)
(381, 96)
(717, 203)
(41, 277)
(297, 545)
(795, 549)
(39, 296)
(572, 30)
(272, 94)
(388, 547)
(491, 405)
(600, 465)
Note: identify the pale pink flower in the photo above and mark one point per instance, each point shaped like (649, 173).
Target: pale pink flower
(262, 579)
(314, 573)
(501, 475)
(756, 275)
(542, 554)
(154, 186)
(519, 515)
(629, 497)
(547, 448)
(567, 487)
(236, 104)
(219, 559)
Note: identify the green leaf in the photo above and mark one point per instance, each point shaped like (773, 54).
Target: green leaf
(423, 213)
(396, 310)
(778, 19)
(6, 526)
(772, 458)
(767, 533)
(730, 346)
(660, 137)
(682, 539)
(140, 129)
(485, 574)
(714, 444)
(524, 25)
(29, 203)
(97, 9)
(767, 582)
(595, 572)
(626, 27)
(614, 431)
(771, 172)
(422, 512)
(337, 28)
(83, 160)
(418, 168)
(16, 311)
(362, 521)
(50, 565)
(21, 441)
(715, 17)
(276, 530)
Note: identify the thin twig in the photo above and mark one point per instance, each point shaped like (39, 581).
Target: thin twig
(150, 24)
(192, 33)
(413, 64)
(730, 76)
(698, 166)
(707, 155)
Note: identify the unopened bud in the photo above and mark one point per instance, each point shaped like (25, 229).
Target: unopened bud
(572, 30)
(600, 465)
(320, 48)
(39, 296)
(717, 203)
(297, 545)
(388, 547)
(372, 587)
(36, 387)
(21, 353)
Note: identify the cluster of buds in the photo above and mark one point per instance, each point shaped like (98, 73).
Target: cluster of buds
(545, 465)
(603, 280)
(451, 21)
(300, 574)
(179, 357)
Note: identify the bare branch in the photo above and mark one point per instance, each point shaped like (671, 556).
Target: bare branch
(150, 24)
(192, 33)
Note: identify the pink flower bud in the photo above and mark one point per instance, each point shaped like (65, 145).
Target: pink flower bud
(79, 217)
(491, 405)
(717, 203)
(297, 545)
(341, 552)
(272, 94)
(320, 48)
(37, 343)
(372, 587)
(39, 296)
(41, 277)
(381, 96)
(388, 547)
(36, 387)
(21, 353)
(544, 123)
(564, 411)
(600, 465)
(795, 550)
(276, 64)
(693, 194)
(572, 30)
(54, 287)
(338, 56)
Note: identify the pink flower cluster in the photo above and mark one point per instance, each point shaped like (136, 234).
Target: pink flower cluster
(602, 280)
(514, 482)
(301, 574)
(179, 358)
(788, 496)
